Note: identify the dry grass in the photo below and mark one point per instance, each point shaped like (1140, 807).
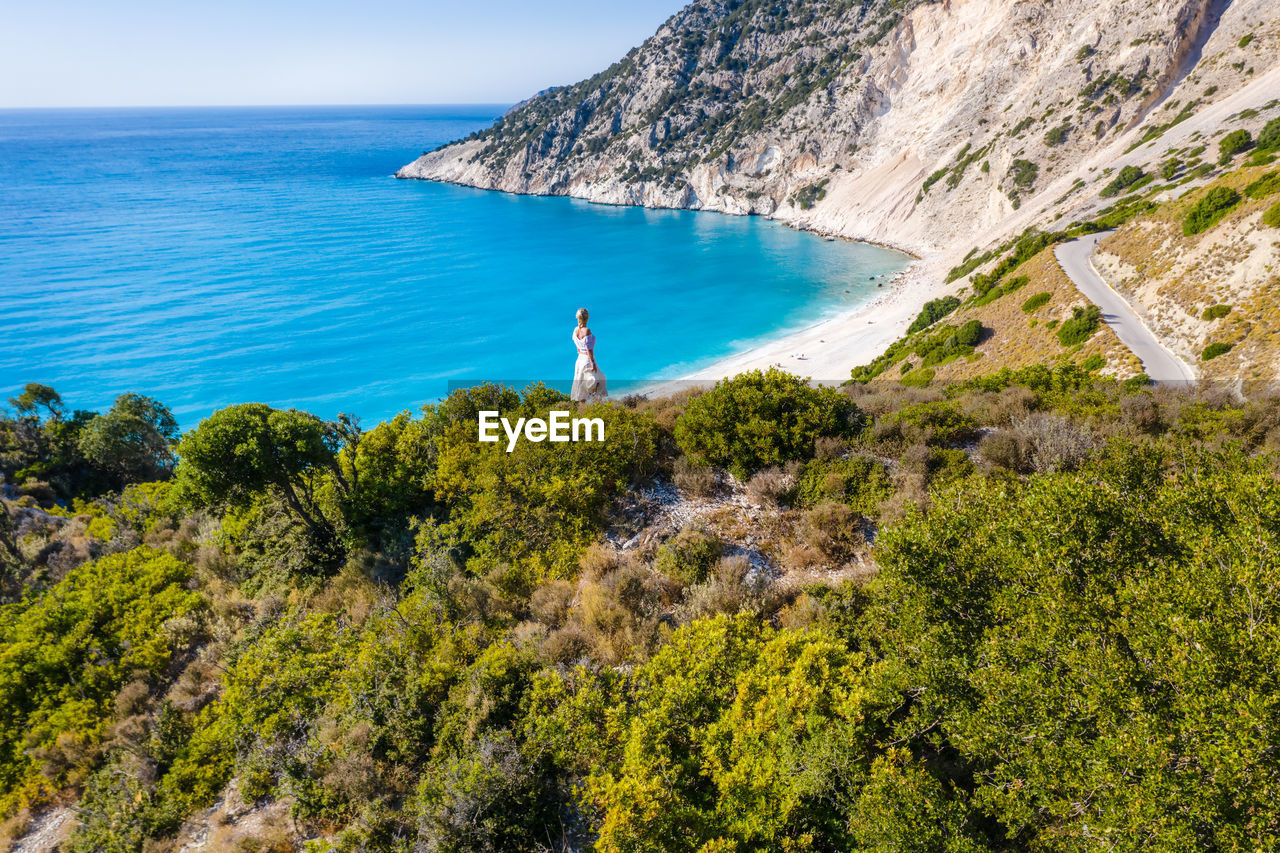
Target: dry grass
(1173, 278)
(1016, 339)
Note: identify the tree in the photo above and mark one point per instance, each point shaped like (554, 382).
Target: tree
(35, 397)
(131, 442)
(239, 452)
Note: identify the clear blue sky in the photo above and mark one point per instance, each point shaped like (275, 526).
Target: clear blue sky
(196, 52)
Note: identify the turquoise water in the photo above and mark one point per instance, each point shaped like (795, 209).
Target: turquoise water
(215, 256)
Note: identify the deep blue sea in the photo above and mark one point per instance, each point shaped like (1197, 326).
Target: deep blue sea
(214, 256)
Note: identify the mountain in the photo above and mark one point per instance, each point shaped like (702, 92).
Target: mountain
(939, 128)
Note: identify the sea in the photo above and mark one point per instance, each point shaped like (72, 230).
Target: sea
(211, 256)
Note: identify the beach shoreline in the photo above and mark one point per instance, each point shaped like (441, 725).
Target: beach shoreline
(831, 348)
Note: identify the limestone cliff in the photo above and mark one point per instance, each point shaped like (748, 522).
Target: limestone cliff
(930, 126)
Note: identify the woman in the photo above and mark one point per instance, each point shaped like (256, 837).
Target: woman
(588, 381)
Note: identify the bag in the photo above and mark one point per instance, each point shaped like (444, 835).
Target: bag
(589, 380)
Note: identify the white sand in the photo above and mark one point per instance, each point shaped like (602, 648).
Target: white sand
(835, 346)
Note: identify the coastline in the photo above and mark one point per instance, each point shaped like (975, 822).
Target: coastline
(834, 346)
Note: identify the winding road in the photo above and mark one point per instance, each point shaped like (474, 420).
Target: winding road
(1158, 361)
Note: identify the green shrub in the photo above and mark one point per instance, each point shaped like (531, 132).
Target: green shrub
(992, 293)
(1271, 217)
(806, 197)
(938, 423)
(1214, 350)
(1210, 210)
(1264, 186)
(1123, 180)
(1269, 136)
(918, 378)
(1036, 301)
(689, 556)
(1057, 135)
(1083, 323)
(1232, 144)
(858, 481)
(933, 311)
(758, 419)
(66, 653)
(1023, 173)
(535, 509)
(1215, 312)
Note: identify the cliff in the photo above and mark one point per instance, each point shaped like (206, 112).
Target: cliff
(930, 126)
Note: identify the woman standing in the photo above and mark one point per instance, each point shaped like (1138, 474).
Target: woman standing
(588, 381)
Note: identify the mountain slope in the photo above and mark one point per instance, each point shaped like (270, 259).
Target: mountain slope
(924, 127)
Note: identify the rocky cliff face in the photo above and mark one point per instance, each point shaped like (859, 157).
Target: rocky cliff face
(930, 126)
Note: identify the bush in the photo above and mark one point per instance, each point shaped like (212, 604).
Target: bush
(1214, 350)
(1269, 137)
(773, 485)
(1232, 144)
(1126, 177)
(697, 480)
(1264, 186)
(66, 653)
(832, 529)
(759, 419)
(1057, 135)
(1083, 323)
(1024, 173)
(918, 378)
(935, 423)
(689, 555)
(1054, 443)
(861, 482)
(933, 311)
(1035, 301)
(1005, 448)
(1215, 312)
(1208, 211)
(1271, 217)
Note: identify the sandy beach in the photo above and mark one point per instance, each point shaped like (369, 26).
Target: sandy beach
(828, 350)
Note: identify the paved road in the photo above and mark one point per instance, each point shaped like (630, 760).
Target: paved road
(1158, 362)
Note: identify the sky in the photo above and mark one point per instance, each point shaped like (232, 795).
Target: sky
(64, 53)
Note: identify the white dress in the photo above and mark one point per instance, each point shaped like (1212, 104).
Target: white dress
(588, 384)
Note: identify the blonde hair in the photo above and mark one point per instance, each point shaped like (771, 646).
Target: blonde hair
(582, 316)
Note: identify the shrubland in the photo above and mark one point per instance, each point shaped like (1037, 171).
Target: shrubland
(1029, 610)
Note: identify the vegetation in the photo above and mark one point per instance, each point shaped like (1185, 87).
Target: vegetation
(1210, 210)
(1214, 350)
(760, 419)
(933, 311)
(1023, 173)
(1271, 216)
(482, 670)
(1080, 327)
(807, 196)
(1125, 178)
(1216, 312)
(1035, 302)
(1232, 144)
(1264, 186)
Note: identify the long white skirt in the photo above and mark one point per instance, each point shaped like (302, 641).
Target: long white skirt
(584, 389)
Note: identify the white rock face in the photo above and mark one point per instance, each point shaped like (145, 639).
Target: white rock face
(833, 120)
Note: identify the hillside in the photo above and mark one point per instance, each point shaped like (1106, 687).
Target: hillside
(924, 125)
(1015, 613)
